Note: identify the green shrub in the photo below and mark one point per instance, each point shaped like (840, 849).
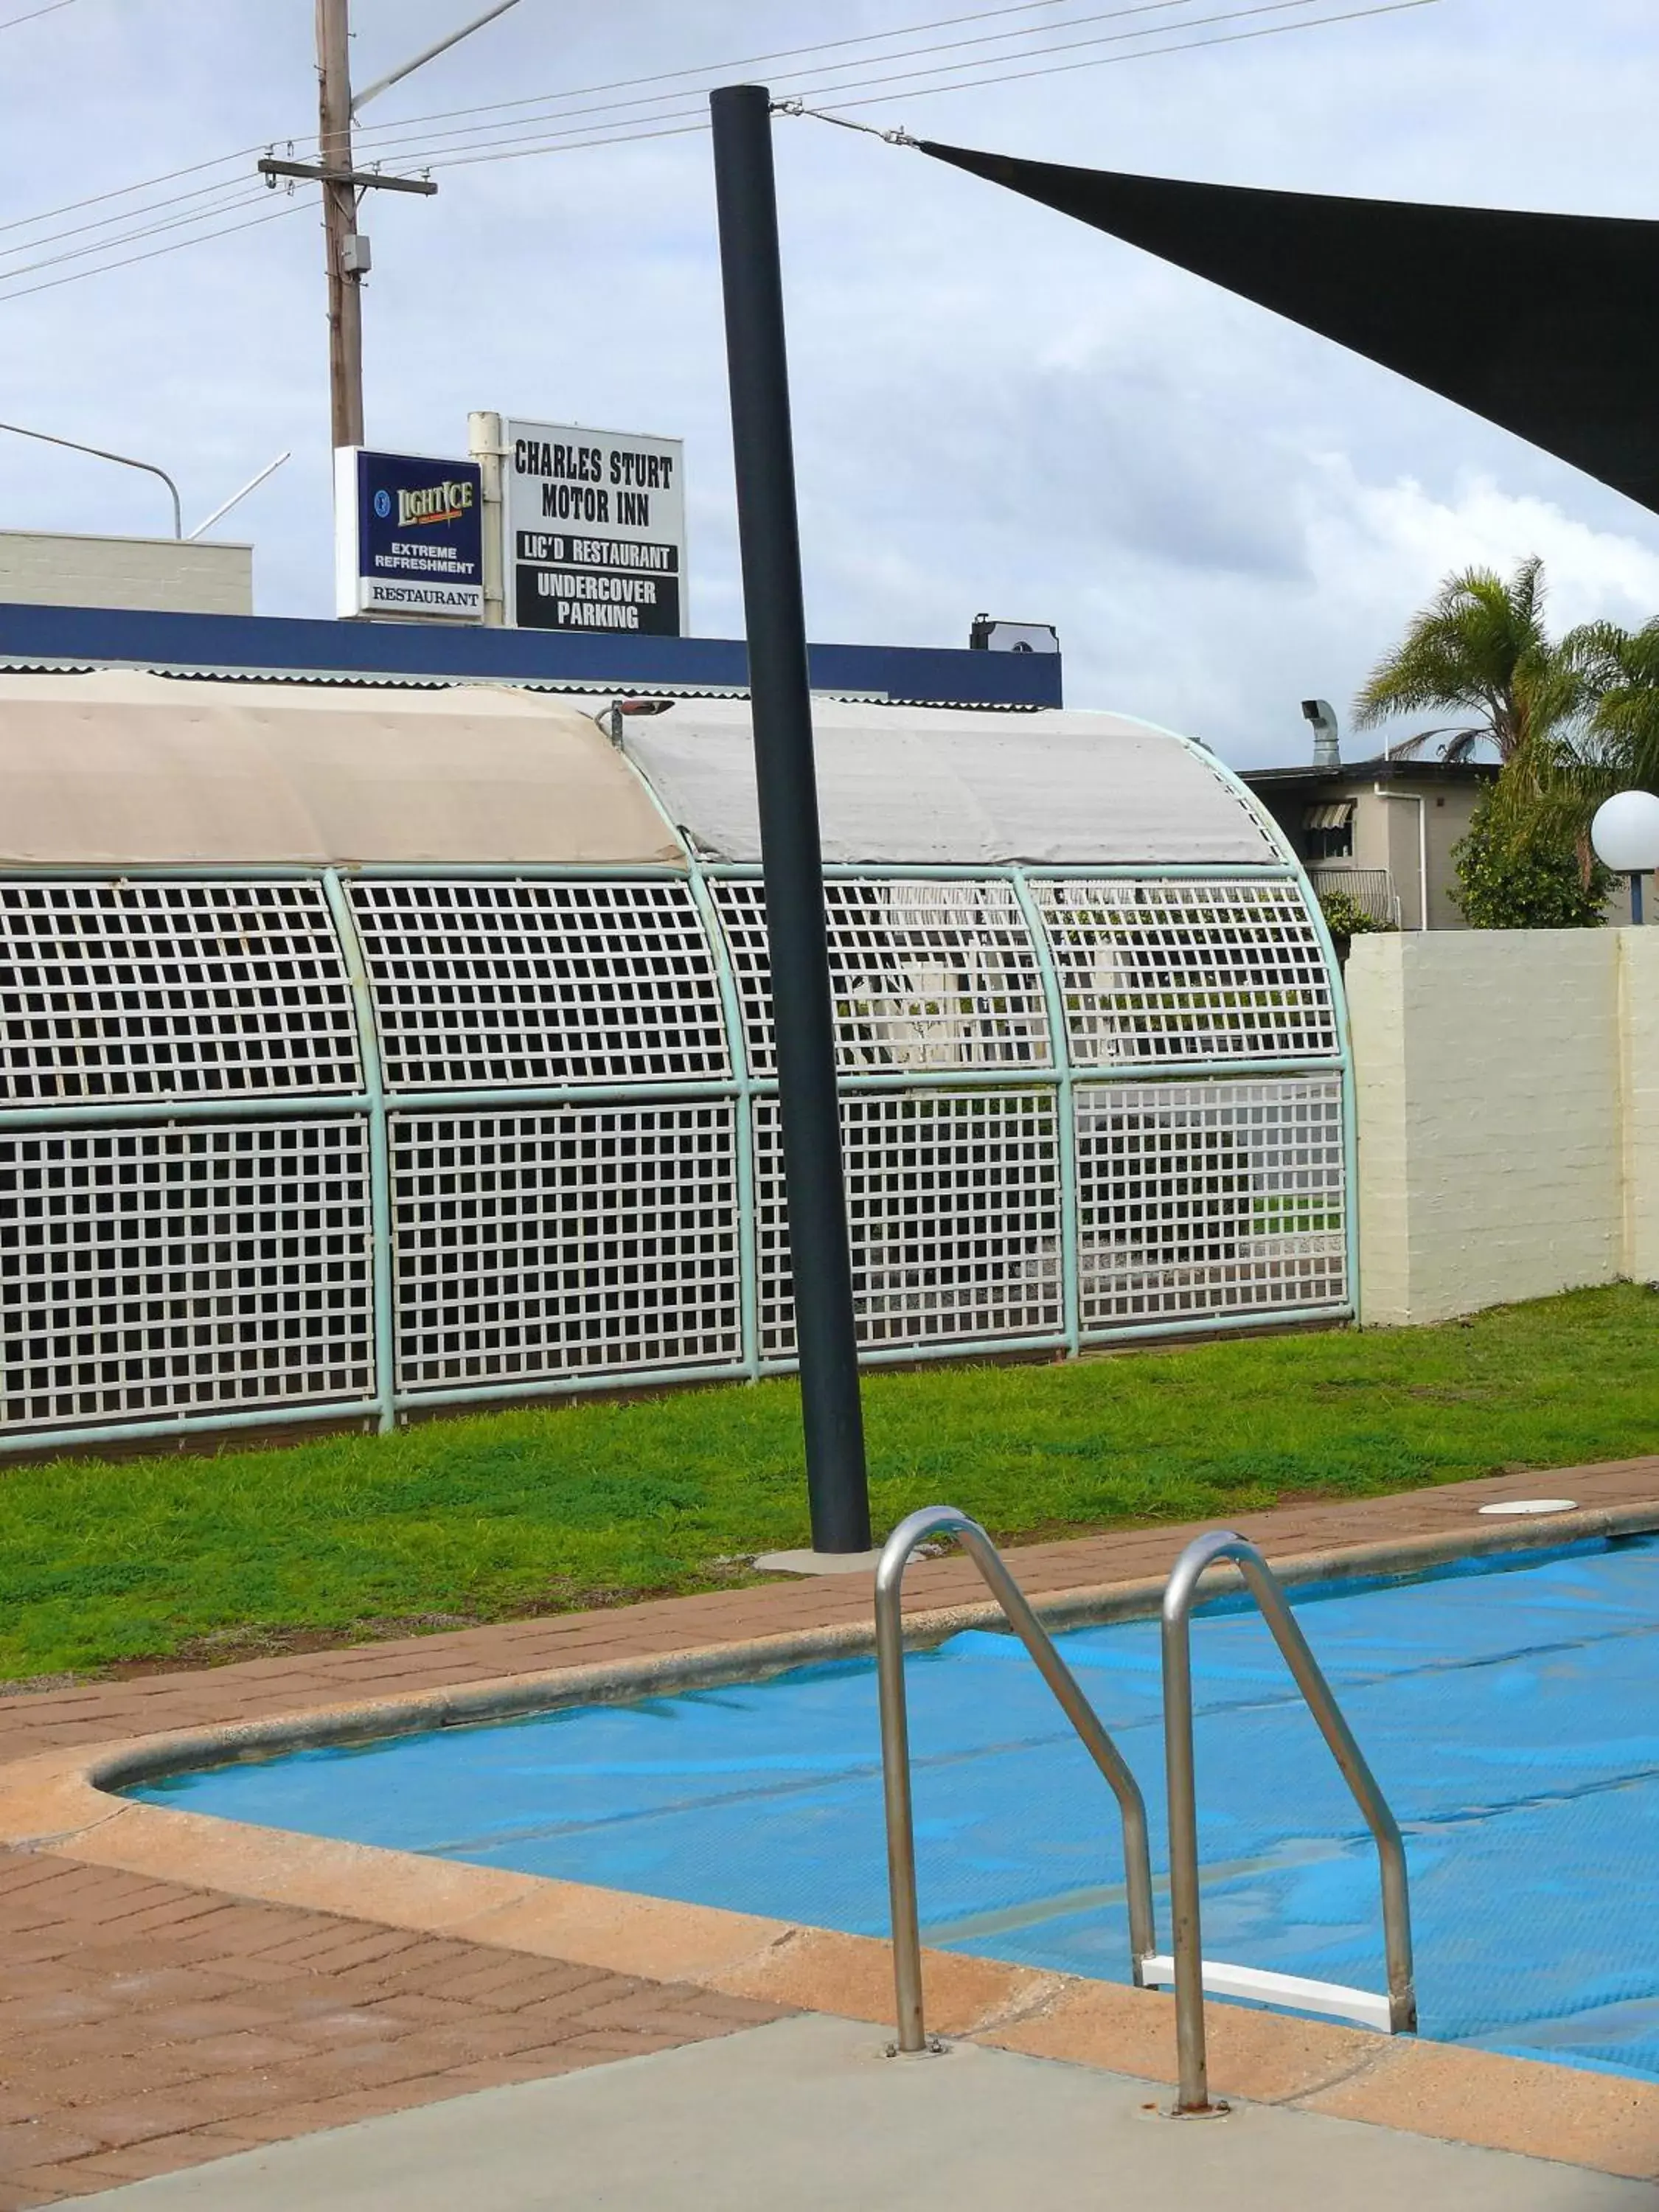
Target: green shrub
(1522, 870)
(1345, 917)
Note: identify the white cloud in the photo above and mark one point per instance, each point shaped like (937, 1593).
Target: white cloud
(995, 407)
(1398, 537)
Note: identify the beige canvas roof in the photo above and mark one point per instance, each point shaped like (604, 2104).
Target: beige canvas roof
(121, 767)
(956, 786)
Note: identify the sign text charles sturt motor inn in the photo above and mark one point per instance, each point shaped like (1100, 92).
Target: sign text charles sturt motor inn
(594, 525)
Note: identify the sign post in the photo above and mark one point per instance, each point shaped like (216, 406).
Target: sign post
(791, 853)
(408, 536)
(593, 529)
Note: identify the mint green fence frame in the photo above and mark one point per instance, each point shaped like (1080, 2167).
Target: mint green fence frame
(1094, 1105)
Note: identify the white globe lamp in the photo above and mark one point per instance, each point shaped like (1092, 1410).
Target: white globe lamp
(1625, 836)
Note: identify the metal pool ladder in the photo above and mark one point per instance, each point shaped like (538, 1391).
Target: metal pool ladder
(1189, 1972)
(941, 1520)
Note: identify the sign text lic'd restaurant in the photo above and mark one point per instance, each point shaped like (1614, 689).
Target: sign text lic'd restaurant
(408, 536)
(595, 530)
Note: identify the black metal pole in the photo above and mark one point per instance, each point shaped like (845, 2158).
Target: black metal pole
(791, 857)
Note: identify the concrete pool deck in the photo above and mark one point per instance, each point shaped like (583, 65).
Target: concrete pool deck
(180, 1988)
(804, 2114)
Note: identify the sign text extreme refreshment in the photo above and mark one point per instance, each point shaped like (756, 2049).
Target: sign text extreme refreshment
(408, 536)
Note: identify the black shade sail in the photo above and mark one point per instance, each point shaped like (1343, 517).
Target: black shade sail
(1548, 325)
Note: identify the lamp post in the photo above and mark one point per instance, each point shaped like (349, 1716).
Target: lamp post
(126, 460)
(1626, 838)
(792, 862)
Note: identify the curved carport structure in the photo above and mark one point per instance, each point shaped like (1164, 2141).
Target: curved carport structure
(366, 1048)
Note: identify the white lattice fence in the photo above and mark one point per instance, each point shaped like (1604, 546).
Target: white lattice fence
(582, 1239)
(551, 1210)
(925, 975)
(166, 1272)
(1187, 971)
(953, 1204)
(141, 990)
(1209, 1199)
(487, 983)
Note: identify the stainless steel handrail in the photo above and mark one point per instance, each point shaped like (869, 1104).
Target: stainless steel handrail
(940, 1520)
(1204, 1551)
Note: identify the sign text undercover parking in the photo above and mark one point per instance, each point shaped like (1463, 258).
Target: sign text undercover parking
(594, 528)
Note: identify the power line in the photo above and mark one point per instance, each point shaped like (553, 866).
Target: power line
(1110, 38)
(390, 132)
(1148, 53)
(125, 191)
(79, 276)
(986, 69)
(536, 139)
(146, 230)
(228, 185)
(50, 9)
(715, 72)
(293, 206)
(440, 157)
(236, 186)
(688, 120)
(686, 125)
(741, 61)
(307, 139)
(835, 93)
(952, 46)
(692, 121)
(130, 223)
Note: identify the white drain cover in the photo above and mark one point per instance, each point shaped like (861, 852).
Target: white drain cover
(1532, 1505)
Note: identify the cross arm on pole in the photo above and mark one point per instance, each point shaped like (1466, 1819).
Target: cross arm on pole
(318, 172)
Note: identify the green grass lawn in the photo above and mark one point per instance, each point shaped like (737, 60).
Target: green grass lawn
(586, 1503)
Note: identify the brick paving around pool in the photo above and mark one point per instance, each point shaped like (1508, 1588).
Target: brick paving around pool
(147, 2025)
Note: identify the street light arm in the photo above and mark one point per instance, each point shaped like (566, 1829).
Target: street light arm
(396, 76)
(99, 453)
(237, 497)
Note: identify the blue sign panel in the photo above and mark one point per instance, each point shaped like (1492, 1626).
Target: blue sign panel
(410, 536)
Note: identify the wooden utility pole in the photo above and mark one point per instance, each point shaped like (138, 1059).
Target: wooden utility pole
(347, 247)
(343, 245)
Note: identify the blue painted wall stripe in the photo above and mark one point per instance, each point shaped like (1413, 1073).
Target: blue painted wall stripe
(939, 676)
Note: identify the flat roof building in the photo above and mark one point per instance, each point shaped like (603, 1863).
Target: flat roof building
(175, 575)
(1381, 831)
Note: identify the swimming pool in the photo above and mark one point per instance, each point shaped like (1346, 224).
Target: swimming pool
(1509, 1709)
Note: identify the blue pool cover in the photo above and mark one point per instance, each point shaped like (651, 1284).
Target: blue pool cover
(1512, 1718)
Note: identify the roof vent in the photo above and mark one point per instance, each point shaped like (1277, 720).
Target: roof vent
(1328, 755)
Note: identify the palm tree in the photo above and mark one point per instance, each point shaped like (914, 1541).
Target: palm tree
(1619, 748)
(1480, 650)
(1570, 721)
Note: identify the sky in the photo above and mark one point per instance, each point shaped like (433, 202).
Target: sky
(996, 408)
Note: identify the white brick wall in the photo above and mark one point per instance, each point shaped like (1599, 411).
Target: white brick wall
(1508, 1092)
(1377, 1018)
(39, 569)
(1638, 1013)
